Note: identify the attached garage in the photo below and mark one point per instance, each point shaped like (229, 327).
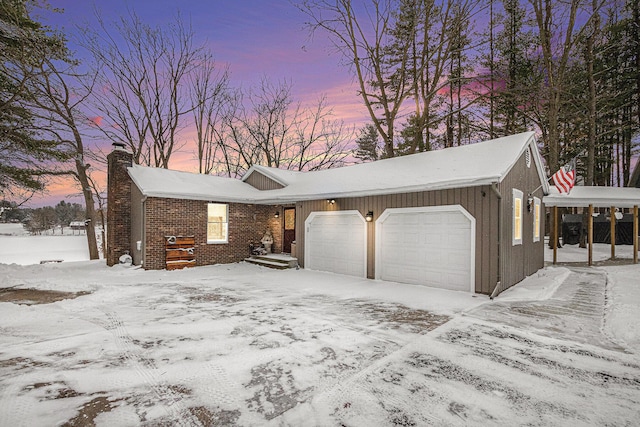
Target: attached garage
(440, 218)
(336, 242)
(432, 246)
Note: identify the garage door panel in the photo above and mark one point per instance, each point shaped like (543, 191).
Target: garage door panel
(457, 220)
(336, 242)
(458, 260)
(457, 241)
(458, 279)
(429, 246)
(433, 238)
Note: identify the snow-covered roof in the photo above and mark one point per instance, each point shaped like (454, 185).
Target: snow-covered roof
(600, 197)
(483, 163)
(158, 182)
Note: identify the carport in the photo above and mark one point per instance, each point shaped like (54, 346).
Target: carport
(611, 198)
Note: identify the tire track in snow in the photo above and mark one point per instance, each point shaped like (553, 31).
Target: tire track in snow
(219, 389)
(169, 400)
(338, 393)
(352, 391)
(14, 408)
(354, 394)
(577, 311)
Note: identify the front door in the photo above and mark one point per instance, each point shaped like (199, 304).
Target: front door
(289, 229)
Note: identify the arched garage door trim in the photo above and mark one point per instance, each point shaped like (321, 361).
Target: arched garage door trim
(426, 209)
(356, 247)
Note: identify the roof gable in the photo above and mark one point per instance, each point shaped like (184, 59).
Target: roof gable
(281, 176)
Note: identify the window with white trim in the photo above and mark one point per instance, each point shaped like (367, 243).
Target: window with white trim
(536, 219)
(517, 217)
(217, 223)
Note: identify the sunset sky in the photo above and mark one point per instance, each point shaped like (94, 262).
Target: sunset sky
(255, 38)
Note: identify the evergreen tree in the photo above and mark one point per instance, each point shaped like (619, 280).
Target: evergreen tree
(24, 153)
(458, 34)
(617, 80)
(368, 144)
(516, 79)
(41, 219)
(67, 212)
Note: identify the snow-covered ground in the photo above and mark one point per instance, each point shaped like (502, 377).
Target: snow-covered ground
(601, 252)
(244, 345)
(18, 247)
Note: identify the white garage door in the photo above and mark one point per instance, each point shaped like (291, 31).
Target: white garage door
(432, 246)
(336, 242)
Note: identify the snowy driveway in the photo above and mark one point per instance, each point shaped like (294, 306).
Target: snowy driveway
(243, 345)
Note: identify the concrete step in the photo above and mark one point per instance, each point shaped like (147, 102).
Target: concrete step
(281, 261)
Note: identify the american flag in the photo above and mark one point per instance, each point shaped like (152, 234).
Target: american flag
(565, 179)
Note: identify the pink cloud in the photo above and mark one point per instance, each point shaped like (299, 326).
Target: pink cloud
(96, 121)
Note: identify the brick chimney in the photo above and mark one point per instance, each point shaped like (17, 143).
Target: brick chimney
(118, 203)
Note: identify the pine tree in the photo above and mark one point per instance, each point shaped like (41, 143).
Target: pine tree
(368, 144)
(516, 80)
(23, 42)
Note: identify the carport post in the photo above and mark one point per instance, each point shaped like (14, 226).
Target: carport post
(555, 235)
(635, 234)
(612, 216)
(590, 235)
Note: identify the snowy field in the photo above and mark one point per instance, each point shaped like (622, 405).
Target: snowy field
(84, 344)
(18, 247)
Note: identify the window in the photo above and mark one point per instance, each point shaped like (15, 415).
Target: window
(536, 219)
(217, 223)
(517, 217)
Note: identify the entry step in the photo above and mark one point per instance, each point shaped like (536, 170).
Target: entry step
(281, 261)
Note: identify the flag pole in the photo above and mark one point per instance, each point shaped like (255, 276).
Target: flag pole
(571, 162)
(547, 180)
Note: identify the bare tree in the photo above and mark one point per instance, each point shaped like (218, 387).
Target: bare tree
(591, 80)
(56, 99)
(319, 140)
(265, 126)
(557, 43)
(144, 75)
(399, 51)
(209, 93)
(362, 37)
(100, 194)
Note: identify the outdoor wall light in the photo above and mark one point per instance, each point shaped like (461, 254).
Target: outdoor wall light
(331, 201)
(369, 216)
(529, 203)
(277, 214)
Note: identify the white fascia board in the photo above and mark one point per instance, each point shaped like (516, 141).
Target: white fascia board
(532, 145)
(268, 199)
(378, 192)
(575, 202)
(537, 158)
(599, 197)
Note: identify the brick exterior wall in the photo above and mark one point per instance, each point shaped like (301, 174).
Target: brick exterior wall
(178, 217)
(118, 205)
